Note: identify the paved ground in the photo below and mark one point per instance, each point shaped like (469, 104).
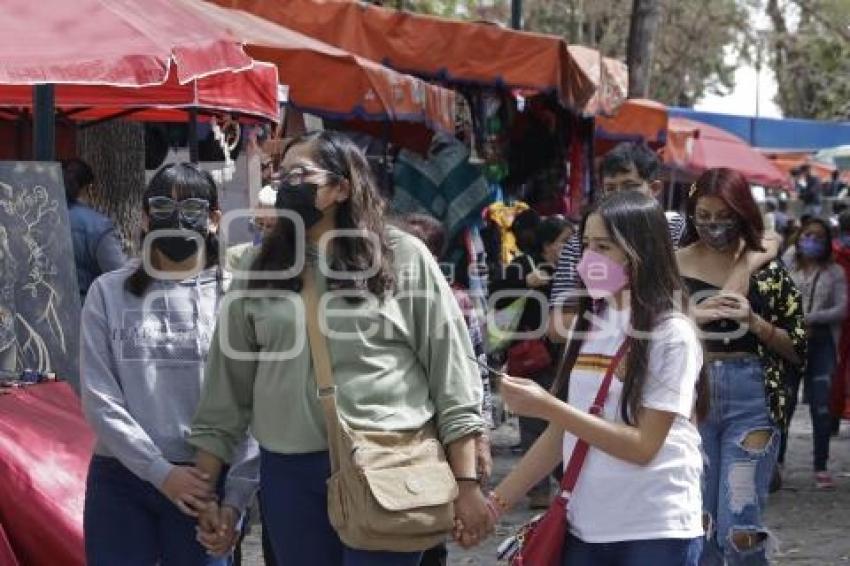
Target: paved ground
(813, 527)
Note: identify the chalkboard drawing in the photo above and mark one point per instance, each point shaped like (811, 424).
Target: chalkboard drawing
(37, 273)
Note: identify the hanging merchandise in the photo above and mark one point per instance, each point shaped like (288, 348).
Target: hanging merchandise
(491, 125)
(502, 217)
(464, 127)
(444, 184)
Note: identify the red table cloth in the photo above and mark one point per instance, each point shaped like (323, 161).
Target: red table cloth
(45, 447)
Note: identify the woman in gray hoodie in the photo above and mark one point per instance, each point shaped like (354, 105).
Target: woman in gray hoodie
(146, 331)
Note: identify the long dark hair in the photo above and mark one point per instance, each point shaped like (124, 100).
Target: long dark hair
(826, 256)
(364, 210)
(637, 224)
(732, 188)
(180, 181)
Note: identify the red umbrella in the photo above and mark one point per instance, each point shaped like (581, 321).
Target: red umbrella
(110, 42)
(694, 147)
(252, 92)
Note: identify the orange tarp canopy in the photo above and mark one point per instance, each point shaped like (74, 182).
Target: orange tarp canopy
(610, 78)
(636, 120)
(454, 51)
(331, 82)
(694, 147)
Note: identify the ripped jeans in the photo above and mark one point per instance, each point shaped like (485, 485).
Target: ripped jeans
(740, 444)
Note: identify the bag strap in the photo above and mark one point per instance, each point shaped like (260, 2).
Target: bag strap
(326, 388)
(813, 289)
(570, 478)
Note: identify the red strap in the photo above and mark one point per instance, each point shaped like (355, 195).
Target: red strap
(568, 482)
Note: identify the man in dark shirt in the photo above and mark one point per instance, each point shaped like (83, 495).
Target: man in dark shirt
(97, 249)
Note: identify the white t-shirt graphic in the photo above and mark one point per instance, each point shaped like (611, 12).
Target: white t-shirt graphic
(615, 500)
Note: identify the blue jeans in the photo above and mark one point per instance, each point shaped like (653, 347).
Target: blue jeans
(657, 552)
(128, 522)
(817, 383)
(294, 499)
(740, 444)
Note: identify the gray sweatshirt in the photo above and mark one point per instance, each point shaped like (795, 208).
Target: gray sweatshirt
(142, 370)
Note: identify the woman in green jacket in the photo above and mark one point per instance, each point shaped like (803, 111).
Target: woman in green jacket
(400, 353)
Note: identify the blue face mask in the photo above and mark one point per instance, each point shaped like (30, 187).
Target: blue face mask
(811, 247)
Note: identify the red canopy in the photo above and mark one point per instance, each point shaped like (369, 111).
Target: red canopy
(110, 42)
(694, 147)
(45, 447)
(252, 92)
(455, 51)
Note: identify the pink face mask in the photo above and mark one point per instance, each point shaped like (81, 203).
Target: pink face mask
(602, 276)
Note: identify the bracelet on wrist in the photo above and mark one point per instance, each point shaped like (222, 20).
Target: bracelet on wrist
(468, 479)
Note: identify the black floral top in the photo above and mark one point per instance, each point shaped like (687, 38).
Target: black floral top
(779, 302)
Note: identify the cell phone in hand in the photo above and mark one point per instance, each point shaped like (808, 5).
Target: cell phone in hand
(493, 372)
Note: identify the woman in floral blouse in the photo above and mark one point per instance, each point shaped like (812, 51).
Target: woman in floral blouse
(750, 343)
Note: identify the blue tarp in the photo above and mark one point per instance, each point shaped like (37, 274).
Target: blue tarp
(774, 133)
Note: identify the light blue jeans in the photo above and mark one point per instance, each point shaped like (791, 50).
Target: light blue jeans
(738, 464)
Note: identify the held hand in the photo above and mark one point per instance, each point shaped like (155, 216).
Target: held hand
(473, 520)
(222, 537)
(525, 398)
(723, 306)
(736, 307)
(209, 520)
(483, 459)
(189, 489)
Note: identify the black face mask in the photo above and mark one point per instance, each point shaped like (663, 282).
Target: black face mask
(179, 248)
(718, 235)
(300, 199)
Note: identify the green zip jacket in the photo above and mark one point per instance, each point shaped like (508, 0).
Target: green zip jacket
(397, 363)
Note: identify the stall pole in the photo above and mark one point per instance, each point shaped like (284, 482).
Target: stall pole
(44, 126)
(516, 14)
(193, 135)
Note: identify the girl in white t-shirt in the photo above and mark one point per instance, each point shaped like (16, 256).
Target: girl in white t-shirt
(637, 499)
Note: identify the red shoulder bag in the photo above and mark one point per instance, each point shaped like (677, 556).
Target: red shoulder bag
(541, 541)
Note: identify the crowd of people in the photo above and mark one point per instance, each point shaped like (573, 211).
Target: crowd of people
(332, 369)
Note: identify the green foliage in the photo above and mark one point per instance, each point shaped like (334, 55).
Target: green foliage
(812, 61)
(690, 47)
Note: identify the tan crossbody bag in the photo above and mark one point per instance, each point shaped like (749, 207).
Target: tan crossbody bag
(388, 491)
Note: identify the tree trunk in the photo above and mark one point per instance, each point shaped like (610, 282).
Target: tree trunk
(780, 56)
(116, 152)
(646, 15)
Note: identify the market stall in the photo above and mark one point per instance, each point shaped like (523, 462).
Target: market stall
(526, 135)
(109, 56)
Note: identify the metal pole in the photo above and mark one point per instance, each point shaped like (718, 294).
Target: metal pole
(193, 135)
(44, 123)
(516, 14)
